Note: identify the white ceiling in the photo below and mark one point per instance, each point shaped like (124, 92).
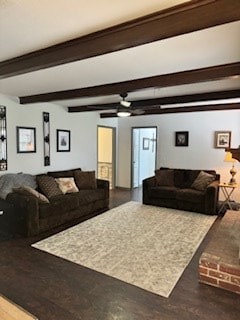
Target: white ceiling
(28, 25)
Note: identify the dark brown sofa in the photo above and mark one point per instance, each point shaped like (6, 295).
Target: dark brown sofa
(62, 208)
(177, 188)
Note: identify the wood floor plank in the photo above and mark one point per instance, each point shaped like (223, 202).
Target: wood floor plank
(53, 288)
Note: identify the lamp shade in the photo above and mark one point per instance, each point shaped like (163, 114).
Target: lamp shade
(228, 157)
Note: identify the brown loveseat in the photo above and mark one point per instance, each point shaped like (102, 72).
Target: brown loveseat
(190, 190)
(41, 215)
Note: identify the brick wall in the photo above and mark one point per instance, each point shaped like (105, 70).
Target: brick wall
(216, 273)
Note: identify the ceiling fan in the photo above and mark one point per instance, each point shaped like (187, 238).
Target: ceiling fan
(125, 109)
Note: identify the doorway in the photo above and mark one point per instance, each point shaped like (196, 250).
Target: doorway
(144, 154)
(106, 154)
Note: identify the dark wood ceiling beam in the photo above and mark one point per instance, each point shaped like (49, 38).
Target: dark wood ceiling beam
(184, 18)
(172, 79)
(218, 107)
(217, 95)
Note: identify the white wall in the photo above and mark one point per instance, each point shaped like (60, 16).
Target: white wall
(200, 154)
(83, 128)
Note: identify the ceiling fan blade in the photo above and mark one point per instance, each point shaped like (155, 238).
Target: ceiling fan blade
(137, 111)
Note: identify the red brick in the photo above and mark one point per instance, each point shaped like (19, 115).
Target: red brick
(235, 280)
(219, 275)
(229, 286)
(208, 264)
(229, 269)
(208, 280)
(203, 270)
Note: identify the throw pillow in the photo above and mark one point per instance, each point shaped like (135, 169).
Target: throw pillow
(164, 178)
(67, 185)
(202, 181)
(85, 179)
(9, 181)
(48, 186)
(30, 191)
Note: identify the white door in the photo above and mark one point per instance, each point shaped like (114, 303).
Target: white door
(143, 154)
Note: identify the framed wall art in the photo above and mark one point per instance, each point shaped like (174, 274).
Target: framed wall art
(181, 138)
(63, 140)
(26, 139)
(222, 139)
(46, 138)
(146, 143)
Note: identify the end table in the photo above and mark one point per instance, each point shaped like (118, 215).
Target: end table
(227, 190)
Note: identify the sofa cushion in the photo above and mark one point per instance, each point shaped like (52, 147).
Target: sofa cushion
(190, 195)
(85, 179)
(164, 178)
(163, 192)
(88, 196)
(63, 173)
(67, 185)
(25, 190)
(183, 178)
(202, 181)
(58, 205)
(48, 186)
(9, 181)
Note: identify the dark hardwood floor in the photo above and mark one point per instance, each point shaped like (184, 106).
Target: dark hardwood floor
(56, 289)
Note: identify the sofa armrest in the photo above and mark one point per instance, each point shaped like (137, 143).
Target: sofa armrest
(211, 199)
(146, 185)
(28, 207)
(103, 184)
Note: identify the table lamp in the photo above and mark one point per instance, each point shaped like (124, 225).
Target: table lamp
(233, 171)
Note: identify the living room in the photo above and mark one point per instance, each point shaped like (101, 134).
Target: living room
(199, 154)
(186, 65)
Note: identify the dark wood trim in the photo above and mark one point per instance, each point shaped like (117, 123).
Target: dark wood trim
(181, 19)
(217, 95)
(216, 107)
(172, 79)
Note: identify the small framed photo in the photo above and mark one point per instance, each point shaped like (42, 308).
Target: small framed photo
(146, 143)
(63, 140)
(26, 139)
(181, 138)
(222, 139)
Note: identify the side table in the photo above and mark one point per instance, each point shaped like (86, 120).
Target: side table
(227, 190)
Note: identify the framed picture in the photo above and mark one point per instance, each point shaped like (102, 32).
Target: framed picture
(146, 143)
(63, 140)
(222, 139)
(181, 138)
(26, 139)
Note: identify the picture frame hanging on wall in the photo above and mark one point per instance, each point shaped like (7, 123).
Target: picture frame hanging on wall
(222, 139)
(46, 138)
(146, 143)
(26, 139)
(181, 138)
(63, 140)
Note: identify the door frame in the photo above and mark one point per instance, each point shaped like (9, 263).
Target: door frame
(131, 164)
(113, 152)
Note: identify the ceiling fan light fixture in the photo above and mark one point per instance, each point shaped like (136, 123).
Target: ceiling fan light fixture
(125, 103)
(123, 114)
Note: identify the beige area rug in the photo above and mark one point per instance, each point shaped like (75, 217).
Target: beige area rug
(145, 246)
(11, 311)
